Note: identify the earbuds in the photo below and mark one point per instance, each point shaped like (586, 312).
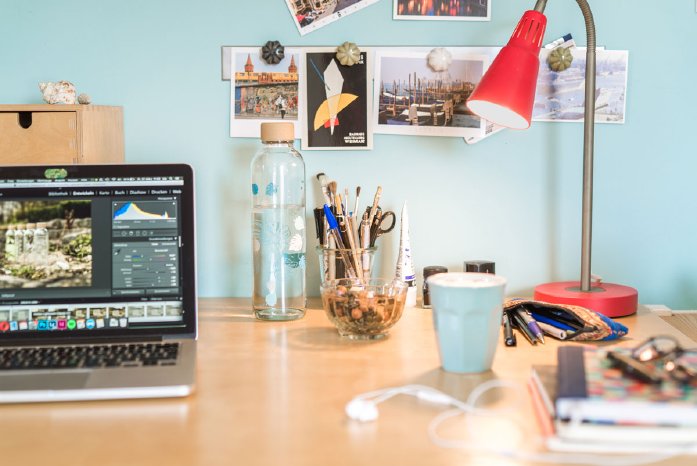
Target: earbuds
(361, 410)
(364, 408)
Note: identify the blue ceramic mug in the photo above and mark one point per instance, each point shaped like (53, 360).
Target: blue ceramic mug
(467, 311)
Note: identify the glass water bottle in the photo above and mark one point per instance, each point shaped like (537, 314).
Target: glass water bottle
(278, 225)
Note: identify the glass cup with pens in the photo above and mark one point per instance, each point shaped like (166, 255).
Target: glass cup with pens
(348, 247)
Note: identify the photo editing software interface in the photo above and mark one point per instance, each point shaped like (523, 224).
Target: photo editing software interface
(90, 254)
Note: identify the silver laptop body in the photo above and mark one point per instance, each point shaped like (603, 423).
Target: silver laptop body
(97, 282)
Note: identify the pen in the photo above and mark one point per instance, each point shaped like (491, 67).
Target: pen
(319, 224)
(555, 332)
(531, 324)
(334, 227)
(520, 323)
(553, 322)
(558, 317)
(508, 337)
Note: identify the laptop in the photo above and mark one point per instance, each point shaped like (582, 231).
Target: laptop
(97, 282)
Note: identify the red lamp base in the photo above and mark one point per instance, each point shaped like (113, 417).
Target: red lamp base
(606, 298)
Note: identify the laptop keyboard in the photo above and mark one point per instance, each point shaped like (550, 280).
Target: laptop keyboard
(89, 356)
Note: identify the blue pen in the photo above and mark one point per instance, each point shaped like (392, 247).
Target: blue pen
(334, 228)
(555, 323)
(531, 324)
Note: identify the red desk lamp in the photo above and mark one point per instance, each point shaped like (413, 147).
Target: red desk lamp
(505, 95)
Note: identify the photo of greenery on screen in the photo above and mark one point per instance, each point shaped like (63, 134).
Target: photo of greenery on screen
(45, 244)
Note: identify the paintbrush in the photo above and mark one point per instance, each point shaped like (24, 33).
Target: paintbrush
(374, 208)
(356, 214)
(332, 192)
(323, 180)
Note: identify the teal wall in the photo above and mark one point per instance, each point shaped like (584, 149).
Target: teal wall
(513, 198)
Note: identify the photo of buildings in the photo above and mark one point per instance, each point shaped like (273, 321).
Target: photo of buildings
(263, 91)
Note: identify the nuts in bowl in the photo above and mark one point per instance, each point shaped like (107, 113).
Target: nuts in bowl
(363, 310)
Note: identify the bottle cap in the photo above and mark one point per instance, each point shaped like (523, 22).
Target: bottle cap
(480, 266)
(31, 226)
(41, 225)
(277, 131)
(434, 269)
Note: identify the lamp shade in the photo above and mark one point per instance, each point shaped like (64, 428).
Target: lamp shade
(506, 93)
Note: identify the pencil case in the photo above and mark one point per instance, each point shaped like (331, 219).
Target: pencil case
(581, 323)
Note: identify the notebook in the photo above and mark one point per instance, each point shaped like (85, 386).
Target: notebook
(597, 436)
(97, 282)
(589, 388)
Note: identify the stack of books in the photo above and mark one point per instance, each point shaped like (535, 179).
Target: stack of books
(586, 404)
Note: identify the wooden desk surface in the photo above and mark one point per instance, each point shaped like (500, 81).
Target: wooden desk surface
(274, 393)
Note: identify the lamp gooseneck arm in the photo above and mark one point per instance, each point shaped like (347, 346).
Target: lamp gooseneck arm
(588, 141)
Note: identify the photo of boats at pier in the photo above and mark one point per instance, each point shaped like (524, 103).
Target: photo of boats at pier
(411, 98)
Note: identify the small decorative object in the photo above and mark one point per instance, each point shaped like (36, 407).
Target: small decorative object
(84, 99)
(61, 92)
(560, 59)
(348, 54)
(439, 59)
(273, 52)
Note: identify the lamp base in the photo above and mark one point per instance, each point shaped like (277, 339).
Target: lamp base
(606, 298)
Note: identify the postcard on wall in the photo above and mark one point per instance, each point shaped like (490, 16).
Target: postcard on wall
(444, 10)
(261, 92)
(410, 98)
(561, 96)
(489, 130)
(310, 15)
(336, 107)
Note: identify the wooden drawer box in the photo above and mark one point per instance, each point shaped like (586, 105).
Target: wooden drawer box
(60, 134)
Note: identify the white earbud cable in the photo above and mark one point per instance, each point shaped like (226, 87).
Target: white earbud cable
(460, 408)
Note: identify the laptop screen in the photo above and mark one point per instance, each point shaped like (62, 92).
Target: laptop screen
(96, 251)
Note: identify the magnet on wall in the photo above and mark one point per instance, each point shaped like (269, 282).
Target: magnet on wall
(439, 59)
(348, 54)
(560, 59)
(273, 52)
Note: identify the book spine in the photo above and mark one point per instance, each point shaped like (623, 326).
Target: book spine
(571, 376)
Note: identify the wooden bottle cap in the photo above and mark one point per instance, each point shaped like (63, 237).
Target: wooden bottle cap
(277, 131)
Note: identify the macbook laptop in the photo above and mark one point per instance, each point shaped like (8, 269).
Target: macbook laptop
(97, 282)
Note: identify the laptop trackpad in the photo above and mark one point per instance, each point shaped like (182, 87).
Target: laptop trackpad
(49, 381)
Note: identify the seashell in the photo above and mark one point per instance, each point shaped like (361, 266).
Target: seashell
(560, 59)
(348, 54)
(273, 52)
(61, 92)
(84, 99)
(439, 59)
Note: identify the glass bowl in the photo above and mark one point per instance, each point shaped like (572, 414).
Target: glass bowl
(363, 310)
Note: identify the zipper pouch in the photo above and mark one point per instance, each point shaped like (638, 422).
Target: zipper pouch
(577, 323)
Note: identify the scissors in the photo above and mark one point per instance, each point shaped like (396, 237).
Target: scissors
(378, 227)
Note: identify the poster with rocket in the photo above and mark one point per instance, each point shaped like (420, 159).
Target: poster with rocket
(336, 115)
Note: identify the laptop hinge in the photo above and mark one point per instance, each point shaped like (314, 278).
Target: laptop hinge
(80, 341)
